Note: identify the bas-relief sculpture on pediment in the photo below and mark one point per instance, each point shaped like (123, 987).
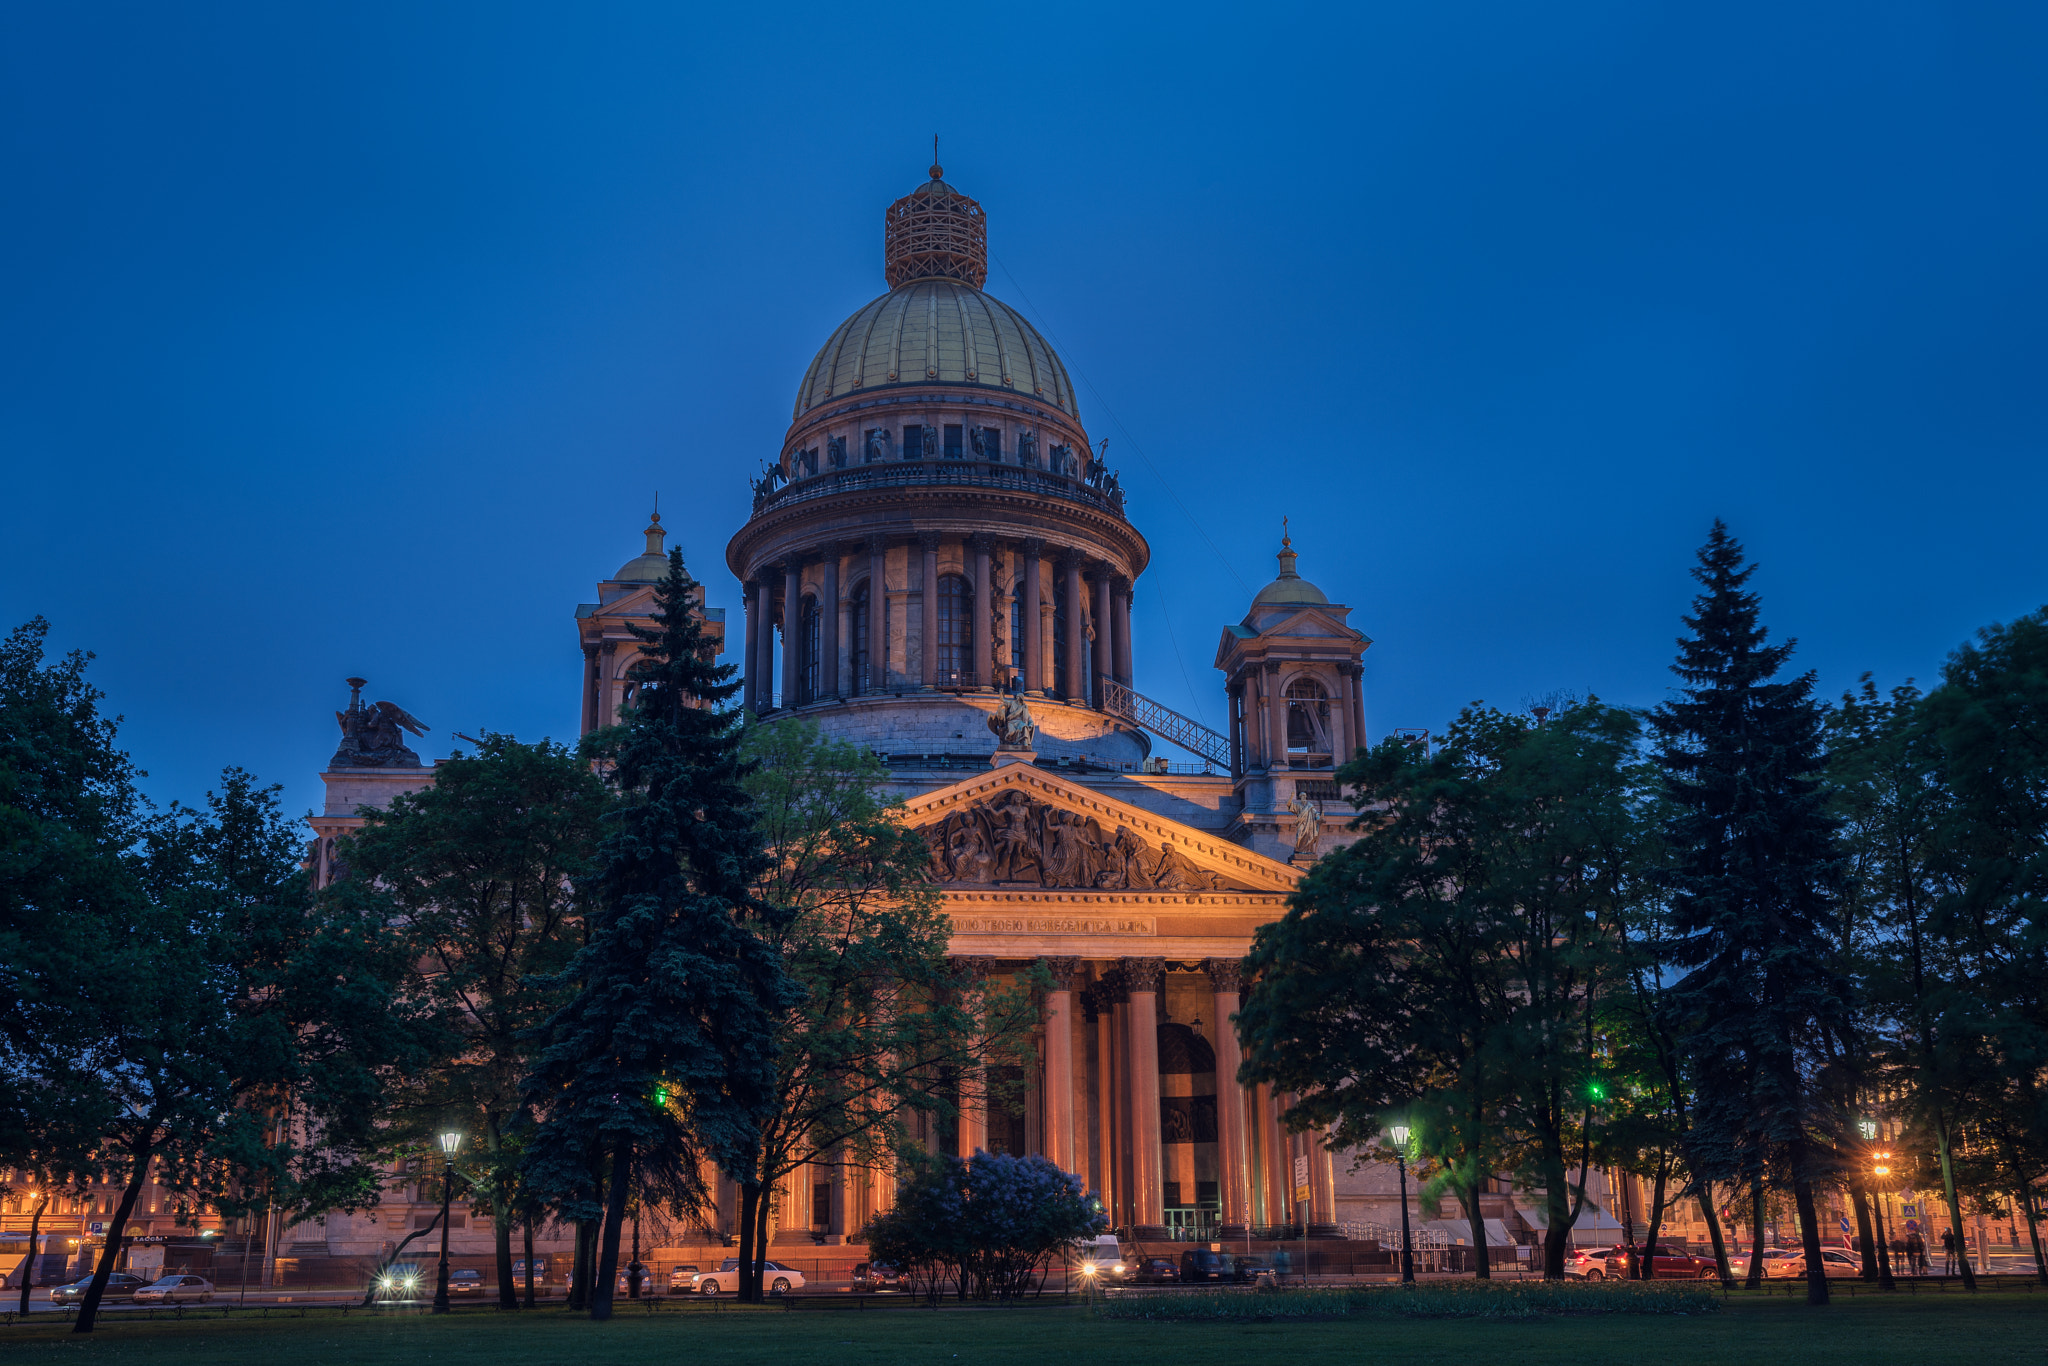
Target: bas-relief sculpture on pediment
(1017, 840)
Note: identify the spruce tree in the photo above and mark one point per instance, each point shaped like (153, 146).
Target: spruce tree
(669, 1040)
(1754, 875)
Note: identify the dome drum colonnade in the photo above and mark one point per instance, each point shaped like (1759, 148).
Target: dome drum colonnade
(936, 521)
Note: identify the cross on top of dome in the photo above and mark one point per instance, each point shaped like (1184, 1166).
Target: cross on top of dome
(935, 232)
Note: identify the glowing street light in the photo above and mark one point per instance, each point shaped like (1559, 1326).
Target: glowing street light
(451, 1143)
(1399, 1133)
(1880, 1169)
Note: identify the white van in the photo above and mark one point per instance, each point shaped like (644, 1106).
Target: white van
(1101, 1259)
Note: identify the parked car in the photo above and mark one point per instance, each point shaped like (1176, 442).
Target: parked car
(777, 1278)
(1251, 1271)
(1155, 1271)
(465, 1282)
(646, 1280)
(873, 1277)
(679, 1279)
(1201, 1264)
(1738, 1263)
(120, 1283)
(175, 1290)
(1669, 1264)
(540, 1273)
(1792, 1265)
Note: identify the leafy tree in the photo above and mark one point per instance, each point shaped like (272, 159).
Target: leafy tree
(1754, 880)
(993, 1223)
(884, 1027)
(667, 1047)
(485, 871)
(1447, 965)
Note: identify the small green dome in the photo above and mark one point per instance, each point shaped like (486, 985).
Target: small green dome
(651, 565)
(1290, 586)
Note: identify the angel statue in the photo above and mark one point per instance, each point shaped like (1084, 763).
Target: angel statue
(1308, 823)
(1012, 723)
(371, 736)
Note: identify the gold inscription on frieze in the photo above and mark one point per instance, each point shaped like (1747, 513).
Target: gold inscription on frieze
(1053, 924)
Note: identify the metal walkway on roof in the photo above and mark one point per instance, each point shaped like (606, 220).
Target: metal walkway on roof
(1166, 723)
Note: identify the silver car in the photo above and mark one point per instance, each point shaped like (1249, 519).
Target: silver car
(175, 1290)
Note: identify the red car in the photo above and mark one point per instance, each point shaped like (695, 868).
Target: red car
(1669, 1264)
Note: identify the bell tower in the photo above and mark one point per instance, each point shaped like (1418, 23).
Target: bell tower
(1293, 670)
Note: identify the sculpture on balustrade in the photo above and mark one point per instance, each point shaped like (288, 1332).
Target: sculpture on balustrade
(1062, 461)
(978, 439)
(1308, 823)
(835, 454)
(803, 464)
(1019, 839)
(371, 737)
(1012, 723)
(877, 446)
(1027, 448)
(930, 441)
(772, 478)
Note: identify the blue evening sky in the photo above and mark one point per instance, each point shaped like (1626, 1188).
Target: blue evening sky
(348, 339)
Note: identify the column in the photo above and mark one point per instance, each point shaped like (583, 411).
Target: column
(835, 1216)
(1058, 1107)
(1105, 1107)
(1147, 1207)
(792, 631)
(928, 632)
(751, 660)
(981, 601)
(1322, 1179)
(763, 628)
(1120, 614)
(878, 615)
(1233, 703)
(1356, 673)
(607, 671)
(973, 1132)
(589, 689)
(1034, 628)
(828, 626)
(1075, 690)
(1279, 1173)
(1103, 660)
(1233, 1154)
(1276, 720)
(1340, 720)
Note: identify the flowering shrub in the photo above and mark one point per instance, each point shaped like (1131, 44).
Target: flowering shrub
(990, 1225)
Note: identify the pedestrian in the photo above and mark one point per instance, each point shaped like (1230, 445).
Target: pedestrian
(1948, 1252)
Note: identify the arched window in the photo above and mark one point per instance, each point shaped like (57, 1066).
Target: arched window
(1060, 608)
(858, 620)
(1308, 717)
(811, 624)
(1017, 632)
(955, 623)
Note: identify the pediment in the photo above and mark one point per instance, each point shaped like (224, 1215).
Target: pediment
(1020, 827)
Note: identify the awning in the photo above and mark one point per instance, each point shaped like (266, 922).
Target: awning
(1594, 1225)
(1459, 1232)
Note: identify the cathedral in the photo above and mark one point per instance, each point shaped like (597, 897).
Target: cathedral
(939, 567)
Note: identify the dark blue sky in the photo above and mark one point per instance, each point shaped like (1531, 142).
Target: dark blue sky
(356, 339)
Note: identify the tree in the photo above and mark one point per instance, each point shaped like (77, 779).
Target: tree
(1447, 965)
(884, 1026)
(992, 1222)
(486, 872)
(1754, 880)
(667, 1046)
(1988, 721)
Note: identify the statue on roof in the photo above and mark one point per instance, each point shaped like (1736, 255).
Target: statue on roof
(372, 736)
(1012, 723)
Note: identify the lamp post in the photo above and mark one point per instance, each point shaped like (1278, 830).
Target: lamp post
(1880, 1168)
(451, 1141)
(1399, 1133)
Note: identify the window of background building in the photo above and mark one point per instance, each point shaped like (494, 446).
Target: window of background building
(913, 443)
(953, 451)
(1017, 632)
(956, 606)
(859, 627)
(991, 443)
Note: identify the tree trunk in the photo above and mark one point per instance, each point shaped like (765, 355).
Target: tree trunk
(579, 1272)
(35, 1228)
(90, 1308)
(614, 1219)
(1649, 1257)
(750, 1204)
(1480, 1257)
(1755, 1279)
(1955, 1207)
(764, 1216)
(1864, 1238)
(501, 1216)
(527, 1224)
(1809, 1231)
(1713, 1219)
(370, 1295)
(2026, 1203)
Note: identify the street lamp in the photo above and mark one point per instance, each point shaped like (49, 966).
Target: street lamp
(451, 1142)
(1880, 1168)
(1399, 1133)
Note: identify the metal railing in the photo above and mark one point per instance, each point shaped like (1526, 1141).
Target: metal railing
(940, 473)
(1165, 722)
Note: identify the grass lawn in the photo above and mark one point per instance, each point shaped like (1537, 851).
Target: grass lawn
(2001, 1327)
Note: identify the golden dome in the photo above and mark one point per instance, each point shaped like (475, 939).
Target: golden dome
(651, 565)
(936, 330)
(1290, 587)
